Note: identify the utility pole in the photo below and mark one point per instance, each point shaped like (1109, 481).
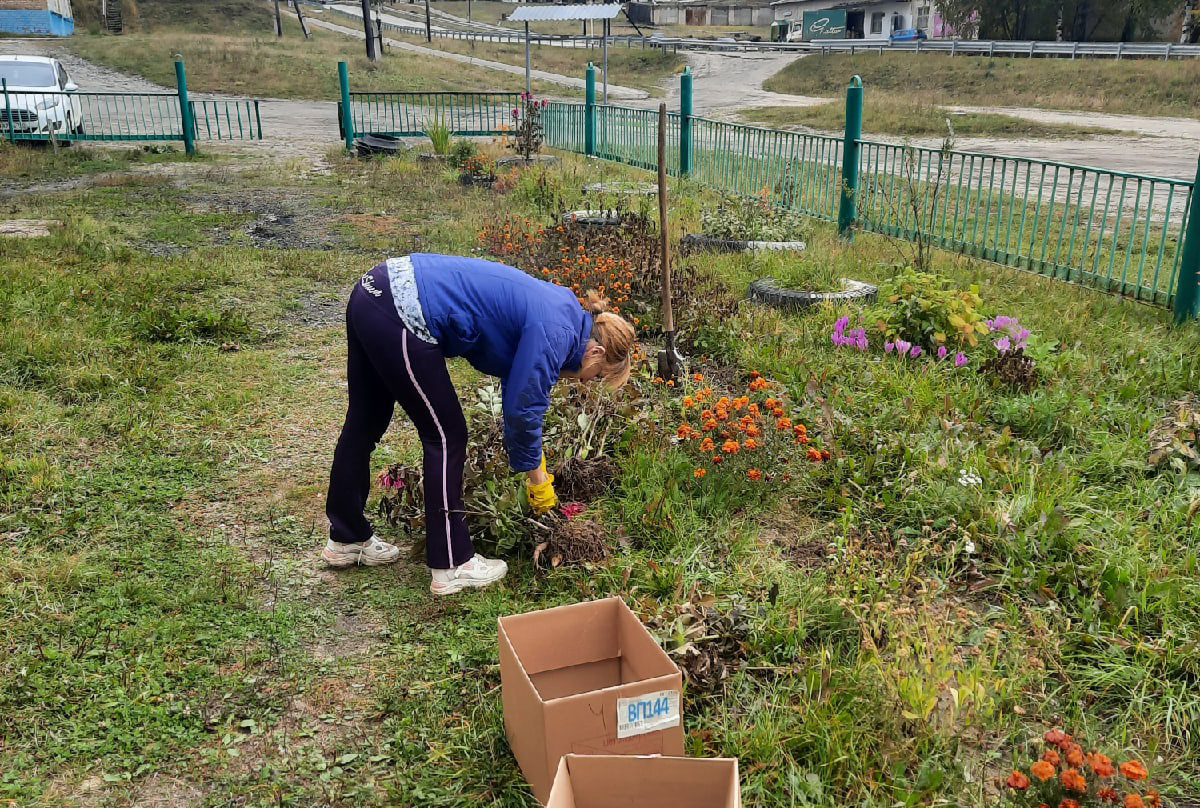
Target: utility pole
(300, 17)
(1189, 22)
(428, 29)
(366, 14)
(278, 21)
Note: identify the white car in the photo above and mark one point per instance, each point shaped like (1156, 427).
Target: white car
(38, 99)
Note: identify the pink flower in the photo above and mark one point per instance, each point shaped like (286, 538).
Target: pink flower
(572, 509)
(888, 346)
(941, 354)
(515, 113)
(915, 352)
(902, 347)
(545, 102)
(960, 359)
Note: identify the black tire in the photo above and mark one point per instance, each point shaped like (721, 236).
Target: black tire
(769, 293)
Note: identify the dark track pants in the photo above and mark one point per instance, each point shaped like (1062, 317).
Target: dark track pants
(385, 363)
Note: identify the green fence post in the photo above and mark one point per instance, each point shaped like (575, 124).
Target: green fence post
(685, 123)
(12, 133)
(589, 112)
(347, 116)
(185, 109)
(1187, 295)
(848, 212)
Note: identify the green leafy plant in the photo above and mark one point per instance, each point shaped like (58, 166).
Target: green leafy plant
(752, 219)
(924, 309)
(438, 132)
(461, 151)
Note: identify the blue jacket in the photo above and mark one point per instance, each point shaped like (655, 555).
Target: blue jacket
(508, 324)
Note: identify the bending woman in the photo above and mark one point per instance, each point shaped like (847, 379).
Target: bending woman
(404, 319)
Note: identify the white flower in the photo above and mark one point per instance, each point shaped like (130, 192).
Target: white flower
(969, 547)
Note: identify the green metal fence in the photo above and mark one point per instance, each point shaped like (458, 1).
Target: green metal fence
(411, 114)
(1124, 234)
(109, 116)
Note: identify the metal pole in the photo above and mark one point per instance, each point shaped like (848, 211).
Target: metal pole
(185, 109)
(528, 82)
(278, 21)
(668, 359)
(12, 134)
(428, 27)
(589, 112)
(604, 46)
(366, 12)
(685, 123)
(848, 212)
(347, 115)
(1187, 294)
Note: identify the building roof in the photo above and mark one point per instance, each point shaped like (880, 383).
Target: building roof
(530, 13)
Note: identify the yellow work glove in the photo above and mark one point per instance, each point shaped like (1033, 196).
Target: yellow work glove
(541, 495)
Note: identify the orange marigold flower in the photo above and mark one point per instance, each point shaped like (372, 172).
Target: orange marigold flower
(777, 412)
(1051, 757)
(754, 475)
(1100, 765)
(1134, 801)
(658, 380)
(1075, 755)
(770, 403)
(709, 426)
(707, 445)
(688, 402)
(684, 432)
(1042, 770)
(783, 424)
(754, 374)
(750, 445)
(697, 378)
(1056, 736)
(1072, 780)
(717, 460)
(825, 454)
(1133, 770)
(1068, 803)
(1107, 794)
(1153, 800)
(670, 382)
(753, 431)
(706, 414)
(801, 439)
(753, 410)
(1017, 781)
(699, 474)
(729, 447)
(813, 455)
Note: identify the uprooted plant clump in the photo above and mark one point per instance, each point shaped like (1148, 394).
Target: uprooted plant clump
(706, 641)
(579, 479)
(573, 540)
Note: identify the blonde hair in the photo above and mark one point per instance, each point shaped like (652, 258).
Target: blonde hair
(617, 337)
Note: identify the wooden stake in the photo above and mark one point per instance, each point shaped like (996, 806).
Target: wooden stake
(278, 21)
(668, 358)
(366, 13)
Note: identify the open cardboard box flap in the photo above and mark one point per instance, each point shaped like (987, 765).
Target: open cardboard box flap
(607, 781)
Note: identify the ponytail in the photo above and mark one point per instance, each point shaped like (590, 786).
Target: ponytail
(616, 335)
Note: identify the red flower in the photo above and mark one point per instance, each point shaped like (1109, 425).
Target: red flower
(717, 460)
(1068, 803)
(1134, 801)
(1056, 737)
(1107, 795)
(572, 509)
(1017, 781)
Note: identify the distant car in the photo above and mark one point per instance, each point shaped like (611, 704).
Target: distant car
(907, 35)
(39, 100)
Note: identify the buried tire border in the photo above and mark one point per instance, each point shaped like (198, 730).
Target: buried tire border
(769, 293)
(695, 242)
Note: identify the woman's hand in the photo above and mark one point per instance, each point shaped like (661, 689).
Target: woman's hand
(539, 488)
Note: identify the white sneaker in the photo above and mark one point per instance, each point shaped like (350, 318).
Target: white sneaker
(370, 553)
(479, 571)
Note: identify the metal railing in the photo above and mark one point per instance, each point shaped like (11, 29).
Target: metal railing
(963, 47)
(411, 114)
(108, 116)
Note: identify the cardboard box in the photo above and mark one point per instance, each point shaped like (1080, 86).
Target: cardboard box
(603, 781)
(586, 679)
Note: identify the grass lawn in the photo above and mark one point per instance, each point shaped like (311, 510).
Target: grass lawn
(171, 388)
(1138, 87)
(883, 116)
(643, 68)
(258, 64)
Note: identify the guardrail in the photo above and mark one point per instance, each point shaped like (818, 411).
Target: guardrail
(115, 117)
(952, 47)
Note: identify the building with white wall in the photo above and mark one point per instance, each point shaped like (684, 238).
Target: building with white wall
(859, 19)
